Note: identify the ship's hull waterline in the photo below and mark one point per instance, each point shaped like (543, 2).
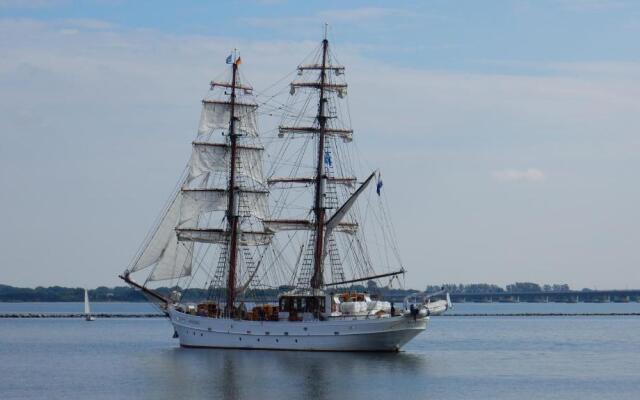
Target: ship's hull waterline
(376, 334)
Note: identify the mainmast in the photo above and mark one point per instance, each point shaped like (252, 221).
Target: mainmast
(318, 274)
(232, 216)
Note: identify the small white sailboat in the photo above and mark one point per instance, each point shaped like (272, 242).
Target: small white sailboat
(87, 310)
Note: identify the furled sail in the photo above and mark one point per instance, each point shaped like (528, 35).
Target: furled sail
(277, 225)
(221, 236)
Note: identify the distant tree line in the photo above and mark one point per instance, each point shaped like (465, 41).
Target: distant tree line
(127, 294)
(518, 287)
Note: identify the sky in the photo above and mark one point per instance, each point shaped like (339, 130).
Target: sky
(506, 131)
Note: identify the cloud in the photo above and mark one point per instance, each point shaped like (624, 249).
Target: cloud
(514, 175)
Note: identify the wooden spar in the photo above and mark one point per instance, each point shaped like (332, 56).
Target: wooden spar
(317, 280)
(150, 292)
(232, 218)
(232, 85)
(307, 180)
(320, 85)
(318, 66)
(239, 146)
(402, 271)
(228, 103)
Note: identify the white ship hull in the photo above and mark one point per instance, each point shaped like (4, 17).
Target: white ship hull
(374, 334)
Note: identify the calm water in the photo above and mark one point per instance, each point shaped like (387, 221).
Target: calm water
(457, 358)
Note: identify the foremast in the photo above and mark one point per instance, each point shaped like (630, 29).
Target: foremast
(232, 216)
(220, 204)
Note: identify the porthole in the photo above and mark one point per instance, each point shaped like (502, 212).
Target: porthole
(296, 340)
(240, 339)
(258, 339)
(277, 341)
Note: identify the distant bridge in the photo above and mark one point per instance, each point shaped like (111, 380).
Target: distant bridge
(569, 296)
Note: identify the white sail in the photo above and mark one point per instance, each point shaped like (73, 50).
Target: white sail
(216, 115)
(208, 158)
(170, 258)
(199, 201)
(161, 238)
(334, 221)
(87, 311)
(175, 262)
(254, 203)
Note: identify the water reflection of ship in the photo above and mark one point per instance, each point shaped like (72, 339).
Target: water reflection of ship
(259, 374)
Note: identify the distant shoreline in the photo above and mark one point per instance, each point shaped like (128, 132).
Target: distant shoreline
(520, 292)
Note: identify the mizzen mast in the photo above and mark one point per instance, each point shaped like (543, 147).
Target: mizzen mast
(318, 274)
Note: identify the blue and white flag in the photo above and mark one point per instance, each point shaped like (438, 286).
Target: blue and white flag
(327, 159)
(229, 59)
(379, 184)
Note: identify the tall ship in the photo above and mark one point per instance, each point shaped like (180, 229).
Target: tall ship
(273, 241)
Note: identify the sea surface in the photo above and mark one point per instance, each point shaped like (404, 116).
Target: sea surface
(456, 358)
